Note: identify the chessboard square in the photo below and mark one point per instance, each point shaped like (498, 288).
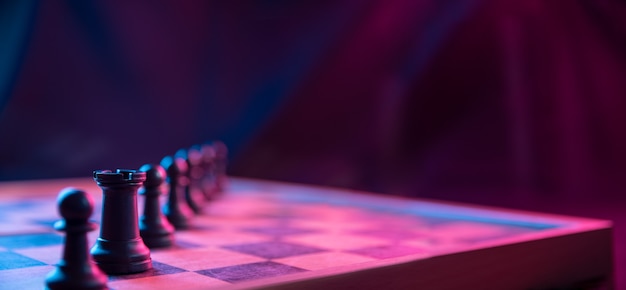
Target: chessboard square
(337, 214)
(487, 238)
(247, 200)
(390, 233)
(204, 258)
(273, 249)
(25, 210)
(40, 211)
(245, 272)
(11, 260)
(327, 211)
(392, 220)
(432, 220)
(219, 238)
(432, 245)
(469, 231)
(50, 255)
(48, 223)
(30, 240)
(278, 230)
(332, 226)
(25, 278)
(276, 214)
(158, 269)
(335, 241)
(324, 260)
(243, 215)
(390, 251)
(184, 280)
(185, 245)
(224, 223)
(17, 206)
(21, 227)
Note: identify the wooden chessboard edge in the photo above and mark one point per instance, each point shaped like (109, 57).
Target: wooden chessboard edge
(585, 255)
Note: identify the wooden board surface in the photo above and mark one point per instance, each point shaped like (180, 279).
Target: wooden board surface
(263, 234)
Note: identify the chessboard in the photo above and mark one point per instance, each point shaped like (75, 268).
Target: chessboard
(261, 234)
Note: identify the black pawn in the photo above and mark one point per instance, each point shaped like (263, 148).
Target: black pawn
(177, 213)
(119, 248)
(154, 228)
(189, 189)
(76, 269)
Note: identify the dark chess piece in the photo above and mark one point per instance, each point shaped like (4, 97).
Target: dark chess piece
(207, 181)
(190, 189)
(76, 270)
(155, 230)
(120, 249)
(221, 164)
(177, 213)
(196, 171)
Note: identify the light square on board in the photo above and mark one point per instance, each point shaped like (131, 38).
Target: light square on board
(331, 226)
(21, 227)
(390, 251)
(464, 231)
(390, 233)
(231, 223)
(49, 254)
(324, 212)
(323, 260)
(184, 280)
(279, 231)
(25, 278)
(158, 269)
(218, 238)
(430, 244)
(205, 258)
(334, 241)
(233, 206)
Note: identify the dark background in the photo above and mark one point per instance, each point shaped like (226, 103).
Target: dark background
(511, 103)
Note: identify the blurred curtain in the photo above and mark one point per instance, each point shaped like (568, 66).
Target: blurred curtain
(16, 19)
(408, 97)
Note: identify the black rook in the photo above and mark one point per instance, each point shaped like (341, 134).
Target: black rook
(120, 249)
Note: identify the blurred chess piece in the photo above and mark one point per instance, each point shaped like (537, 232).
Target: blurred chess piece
(154, 228)
(76, 269)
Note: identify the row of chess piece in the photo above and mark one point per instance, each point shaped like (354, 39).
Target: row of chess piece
(191, 177)
(194, 176)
